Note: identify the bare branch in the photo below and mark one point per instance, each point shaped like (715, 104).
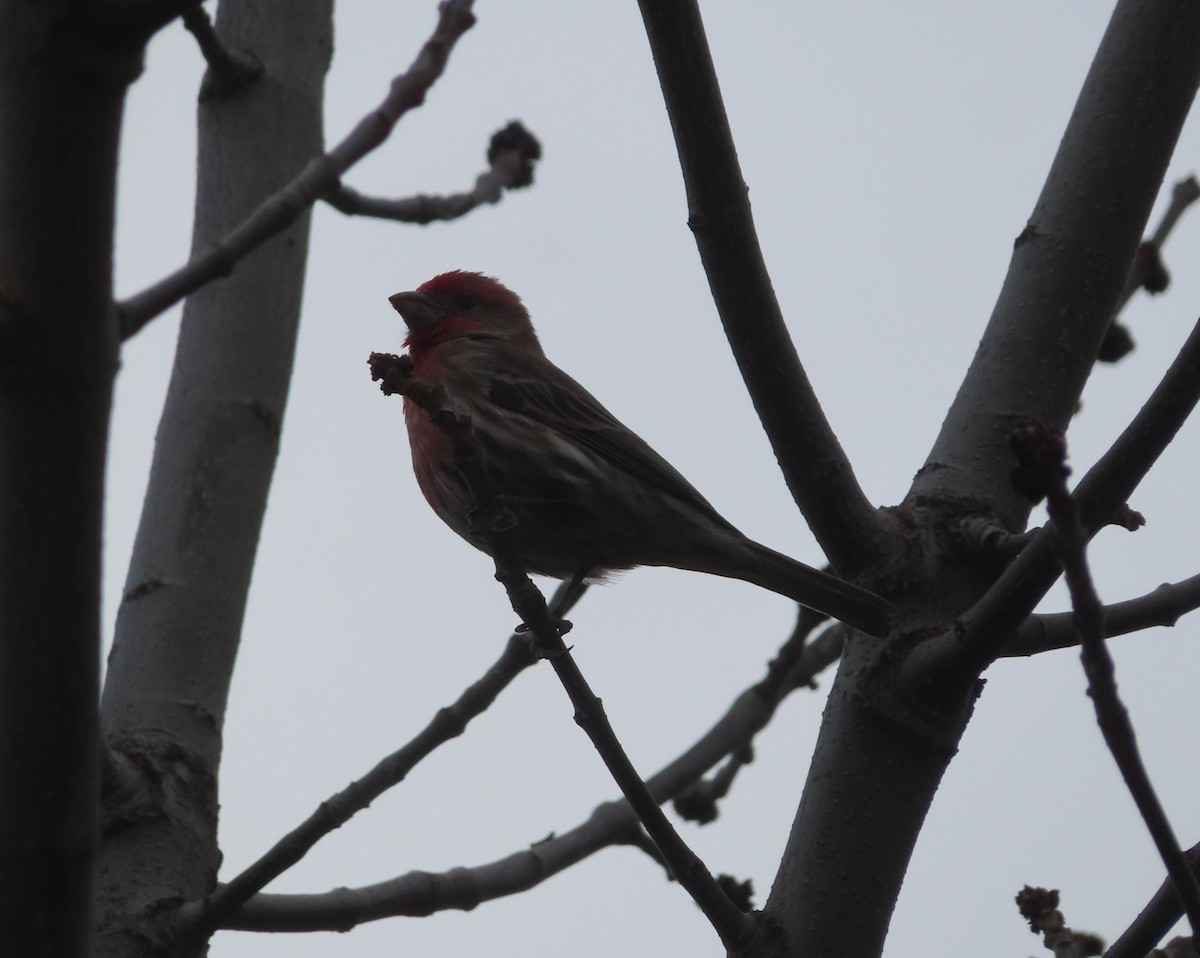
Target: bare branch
(1183, 194)
(280, 209)
(815, 467)
(1148, 271)
(511, 156)
(1164, 606)
(1046, 450)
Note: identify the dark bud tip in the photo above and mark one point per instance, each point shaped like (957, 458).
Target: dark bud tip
(1117, 344)
(1041, 452)
(514, 138)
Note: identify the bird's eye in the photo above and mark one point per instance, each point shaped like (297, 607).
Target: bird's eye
(464, 302)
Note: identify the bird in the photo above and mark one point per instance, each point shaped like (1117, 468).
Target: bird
(584, 495)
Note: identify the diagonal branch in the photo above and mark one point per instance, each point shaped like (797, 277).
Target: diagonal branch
(1159, 916)
(1183, 194)
(320, 175)
(1148, 271)
(814, 465)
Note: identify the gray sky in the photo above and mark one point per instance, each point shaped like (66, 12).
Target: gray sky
(893, 152)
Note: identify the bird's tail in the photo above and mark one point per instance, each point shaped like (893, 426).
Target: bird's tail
(818, 590)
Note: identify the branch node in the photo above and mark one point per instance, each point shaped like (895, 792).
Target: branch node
(229, 71)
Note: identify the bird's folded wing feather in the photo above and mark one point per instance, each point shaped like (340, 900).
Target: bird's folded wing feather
(551, 398)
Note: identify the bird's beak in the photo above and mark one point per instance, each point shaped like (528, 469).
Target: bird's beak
(418, 310)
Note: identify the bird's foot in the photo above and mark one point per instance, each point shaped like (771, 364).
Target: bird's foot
(563, 626)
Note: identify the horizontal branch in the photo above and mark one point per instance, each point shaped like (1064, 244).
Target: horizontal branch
(1162, 607)
(321, 174)
(511, 156)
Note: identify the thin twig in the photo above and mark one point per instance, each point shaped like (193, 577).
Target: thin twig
(1162, 607)
(1183, 194)
(1069, 540)
(321, 174)
(733, 927)
(698, 802)
(511, 156)
(1147, 270)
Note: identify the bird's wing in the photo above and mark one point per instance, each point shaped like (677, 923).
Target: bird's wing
(537, 389)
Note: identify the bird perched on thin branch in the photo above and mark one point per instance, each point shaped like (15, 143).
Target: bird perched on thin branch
(585, 494)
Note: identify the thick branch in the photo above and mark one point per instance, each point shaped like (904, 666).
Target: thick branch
(814, 465)
(282, 208)
(1070, 262)
(985, 629)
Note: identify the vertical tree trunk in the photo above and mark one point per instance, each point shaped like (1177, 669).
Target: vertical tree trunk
(62, 90)
(181, 616)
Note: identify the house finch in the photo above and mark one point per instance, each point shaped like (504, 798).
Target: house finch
(586, 495)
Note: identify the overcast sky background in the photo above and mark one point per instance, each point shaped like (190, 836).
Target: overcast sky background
(893, 152)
